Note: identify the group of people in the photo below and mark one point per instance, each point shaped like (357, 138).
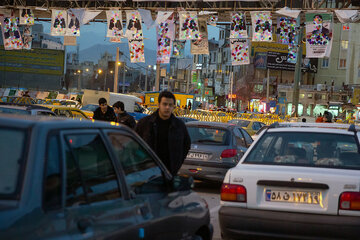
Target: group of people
(162, 131)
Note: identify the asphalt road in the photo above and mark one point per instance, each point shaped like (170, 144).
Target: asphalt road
(211, 193)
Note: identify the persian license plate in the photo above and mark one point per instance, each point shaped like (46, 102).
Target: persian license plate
(201, 156)
(307, 197)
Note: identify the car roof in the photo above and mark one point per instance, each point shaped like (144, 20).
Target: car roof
(210, 124)
(334, 128)
(23, 106)
(26, 121)
(59, 107)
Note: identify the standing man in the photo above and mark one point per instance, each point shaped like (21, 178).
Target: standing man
(166, 134)
(122, 116)
(104, 112)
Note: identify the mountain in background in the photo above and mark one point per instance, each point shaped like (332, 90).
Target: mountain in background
(95, 52)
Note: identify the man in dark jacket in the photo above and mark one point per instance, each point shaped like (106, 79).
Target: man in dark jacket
(104, 112)
(122, 116)
(166, 134)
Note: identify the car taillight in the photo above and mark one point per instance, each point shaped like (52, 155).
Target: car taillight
(233, 193)
(349, 201)
(228, 153)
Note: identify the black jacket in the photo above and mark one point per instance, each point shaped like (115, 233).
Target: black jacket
(179, 139)
(108, 116)
(126, 119)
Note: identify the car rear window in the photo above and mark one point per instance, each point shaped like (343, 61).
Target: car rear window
(240, 123)
(11, 161)
(14, 111)
(209, 136)
(306, 149)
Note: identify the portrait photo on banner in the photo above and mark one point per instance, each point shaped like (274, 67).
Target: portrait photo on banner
(238, 25)
(58, 22)
(288, 33)
(165, 34)
(114, 24)
(26, 17)
(134, 29)
(73, 28)
(189, 27)
(10, 32)
(136, 47)
(261, 26)
(318, 34)
(201, 45)
(179, 49)
(27, 37)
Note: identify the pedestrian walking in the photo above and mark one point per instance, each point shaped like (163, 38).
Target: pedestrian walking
(122, 116)
(104, 112)
(166, 134)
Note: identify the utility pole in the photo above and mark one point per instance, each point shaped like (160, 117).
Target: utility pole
(123, 86)
(297, 74)
(116, 75)
(146, 79)
(188, 80)
(231, 88)
(157, 81)
(267, 89)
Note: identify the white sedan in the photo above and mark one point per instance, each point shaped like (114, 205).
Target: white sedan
(298, 181)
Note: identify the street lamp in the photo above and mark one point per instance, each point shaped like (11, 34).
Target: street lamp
(99, 71)
(111, 71)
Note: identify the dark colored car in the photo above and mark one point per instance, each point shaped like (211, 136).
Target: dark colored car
(68, 179)
(215, 147)
(23, 109)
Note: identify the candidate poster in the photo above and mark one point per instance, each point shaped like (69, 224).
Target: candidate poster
(165, 34)
(189, 27)
(212, 20)
(318, 34)
(179, 49)
(26, 17)
(27, 37)
(239, 52)
(136, 47)
(73, 28)
(134, 29)
(261, 26)
(287, 33)
(238, 25)
(10, 32)
(58, 22)
(201, 45)
(114, 24)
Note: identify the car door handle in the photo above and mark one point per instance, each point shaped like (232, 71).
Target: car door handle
(83, 225)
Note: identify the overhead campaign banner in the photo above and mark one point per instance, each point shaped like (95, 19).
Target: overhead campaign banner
(114, 24)
(318, 34)
(10, 32)
(134, 29)
(287, 33)
(73, 27)
(212, 20)
(189, 27)
(26, 17)
(165, 34)
(261, 26)
(239, 52)
(58, 22)
(179, 49)
(27, 37)
(201, 45)
(136, 47)
(238, 25)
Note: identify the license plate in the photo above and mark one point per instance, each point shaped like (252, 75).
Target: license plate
(198, 156)
(307, 197)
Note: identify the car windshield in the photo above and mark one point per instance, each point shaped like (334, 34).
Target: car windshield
(306, 149)
(209, 136)
(89, 107)
(14, 111)
(11, 161)
(241, 123)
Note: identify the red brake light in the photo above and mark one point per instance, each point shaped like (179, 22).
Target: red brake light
(233, 193)
(349, 201)
(228, 153)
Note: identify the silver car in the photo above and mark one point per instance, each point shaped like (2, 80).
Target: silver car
(215, 147)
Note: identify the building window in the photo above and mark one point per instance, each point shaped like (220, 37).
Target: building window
(310, 96)
(325, 63)
(302, 95)
(344, 45)
(342, 63)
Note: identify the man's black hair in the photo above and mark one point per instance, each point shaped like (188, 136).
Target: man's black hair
(102, 101)
(166, 94)
(120, 105)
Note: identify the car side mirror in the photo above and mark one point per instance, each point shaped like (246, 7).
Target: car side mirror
(182, 183)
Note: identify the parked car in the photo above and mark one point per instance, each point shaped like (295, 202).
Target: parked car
(250, 126)
(24, 109)
(69, 179)
(89, 110)
(187, 119)
(257, 134)
(215, 147)
(70, 112)
(297, 181)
